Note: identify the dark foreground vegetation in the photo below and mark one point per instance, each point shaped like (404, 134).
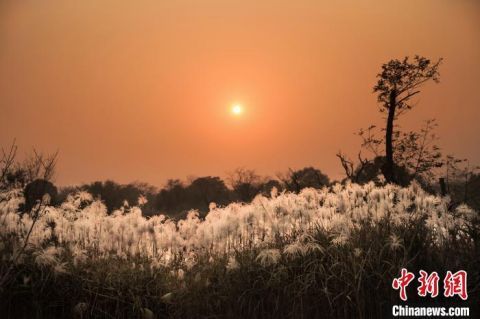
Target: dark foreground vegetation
(319, 254)
(294, 246)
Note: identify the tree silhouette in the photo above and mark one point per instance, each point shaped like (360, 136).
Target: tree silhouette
(34, 192)
(245, 183)
(115, 195)
(206, 190)
(297, 180)
(397, 84)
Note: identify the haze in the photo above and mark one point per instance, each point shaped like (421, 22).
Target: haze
(142, 90)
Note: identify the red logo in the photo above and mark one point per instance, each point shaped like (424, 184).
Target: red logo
(402, 282)
(428, 284)
(456, 284)
(453, 284)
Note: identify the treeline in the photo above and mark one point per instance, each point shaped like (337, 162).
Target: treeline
(177, 197)
(35, 175)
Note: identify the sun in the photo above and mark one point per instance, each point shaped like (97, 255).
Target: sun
(237, 109)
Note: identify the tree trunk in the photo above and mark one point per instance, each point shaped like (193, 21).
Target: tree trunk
(388, 168)
(443, 187)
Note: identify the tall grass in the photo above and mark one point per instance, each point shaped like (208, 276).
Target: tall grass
(329, 253)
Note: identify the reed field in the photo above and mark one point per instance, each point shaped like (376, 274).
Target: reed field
(329, 253)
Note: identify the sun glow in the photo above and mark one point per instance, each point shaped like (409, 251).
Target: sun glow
(237, 109)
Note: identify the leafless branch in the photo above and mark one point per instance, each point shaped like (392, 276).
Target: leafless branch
(7, 161)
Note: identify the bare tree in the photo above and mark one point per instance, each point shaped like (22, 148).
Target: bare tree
(40, 166)
(242, 175)
(35, 166)
(7, 162)
(352, 171)
(397, 84)
(418, 152)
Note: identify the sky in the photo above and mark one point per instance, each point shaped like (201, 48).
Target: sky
(142, 90)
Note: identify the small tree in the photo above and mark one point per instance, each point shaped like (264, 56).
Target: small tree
(397, 84)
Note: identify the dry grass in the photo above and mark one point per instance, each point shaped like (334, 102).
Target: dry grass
(328, 253)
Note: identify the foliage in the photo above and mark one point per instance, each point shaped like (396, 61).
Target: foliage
(404, 78)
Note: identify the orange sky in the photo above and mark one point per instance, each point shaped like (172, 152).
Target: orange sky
(141, 90)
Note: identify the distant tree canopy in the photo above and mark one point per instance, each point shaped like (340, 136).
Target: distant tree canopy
(115, 195)
(297, 180)
(35, 191)
(205, 190)
(268, 186)
(245, 183)
(176, 198)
